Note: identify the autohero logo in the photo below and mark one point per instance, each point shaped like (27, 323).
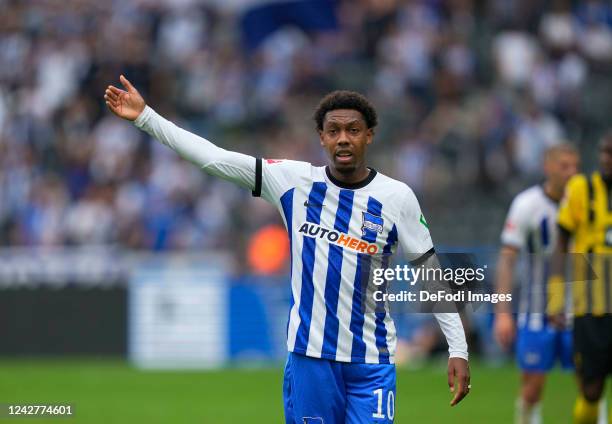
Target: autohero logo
(338, 238)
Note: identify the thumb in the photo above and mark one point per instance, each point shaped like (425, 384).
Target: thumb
(451, 381)
(128, 85)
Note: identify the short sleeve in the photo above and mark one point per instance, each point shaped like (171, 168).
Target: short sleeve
(274, 177)
(573, 208)
(413, 230)
(516, 226)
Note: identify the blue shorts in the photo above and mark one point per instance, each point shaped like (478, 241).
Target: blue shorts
(537, 350)
(319, 391)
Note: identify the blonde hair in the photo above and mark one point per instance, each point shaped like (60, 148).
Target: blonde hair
(563, 147)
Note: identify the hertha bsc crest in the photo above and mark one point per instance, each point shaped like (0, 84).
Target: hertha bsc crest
(371, 225)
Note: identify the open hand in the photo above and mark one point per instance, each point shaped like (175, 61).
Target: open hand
(125, 104)
(459, 370)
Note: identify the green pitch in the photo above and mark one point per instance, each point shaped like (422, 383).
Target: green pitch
(107, 391)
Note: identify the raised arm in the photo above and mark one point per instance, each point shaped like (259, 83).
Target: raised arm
(129, 104)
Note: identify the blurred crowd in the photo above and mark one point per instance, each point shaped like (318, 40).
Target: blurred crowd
(469, 93)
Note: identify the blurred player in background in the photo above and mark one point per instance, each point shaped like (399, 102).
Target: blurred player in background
(531, 227)
(585, 218)
(343, 220)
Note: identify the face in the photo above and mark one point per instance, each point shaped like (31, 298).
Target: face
(560, 168)
(345, 137)
(605, 158)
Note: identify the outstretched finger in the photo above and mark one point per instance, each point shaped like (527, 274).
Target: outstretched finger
(115, 90)
(128, 85)
(113, 107)
(111, 95)
(112, 98)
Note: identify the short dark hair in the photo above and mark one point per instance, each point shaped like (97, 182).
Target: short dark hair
(344, 99)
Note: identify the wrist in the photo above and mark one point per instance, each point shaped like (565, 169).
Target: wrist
(143, 117)
(456, 354)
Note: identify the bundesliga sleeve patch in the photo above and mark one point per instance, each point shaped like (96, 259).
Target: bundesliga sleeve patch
(422, 221)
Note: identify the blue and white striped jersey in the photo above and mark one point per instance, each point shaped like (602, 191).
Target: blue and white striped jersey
(338, 233)
(531, 226)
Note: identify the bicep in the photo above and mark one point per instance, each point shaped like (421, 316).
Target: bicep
(275, 177)
(234, 167)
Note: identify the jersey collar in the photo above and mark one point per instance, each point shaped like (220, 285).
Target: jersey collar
(351, 186)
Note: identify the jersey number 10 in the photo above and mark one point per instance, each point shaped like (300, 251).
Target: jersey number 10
(390, 404)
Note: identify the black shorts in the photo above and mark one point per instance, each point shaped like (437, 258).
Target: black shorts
(593, 347)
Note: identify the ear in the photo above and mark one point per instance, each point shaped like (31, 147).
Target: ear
(321, 138)
(369, 135)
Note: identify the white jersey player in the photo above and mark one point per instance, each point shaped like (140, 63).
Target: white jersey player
(343, 221)
(531, 228)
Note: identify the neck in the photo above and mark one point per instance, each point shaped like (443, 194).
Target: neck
(553, 192)
(355, 176)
